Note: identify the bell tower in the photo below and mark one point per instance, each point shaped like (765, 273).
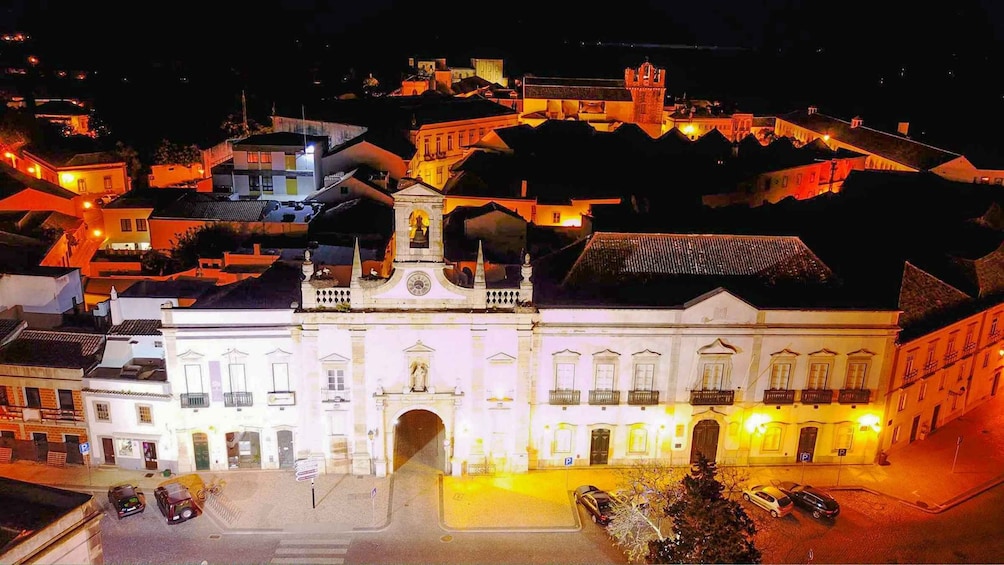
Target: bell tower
(647, 85)
(418, 223)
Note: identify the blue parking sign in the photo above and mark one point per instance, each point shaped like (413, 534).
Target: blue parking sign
(568, 461)
(85, 448)
(805, 456)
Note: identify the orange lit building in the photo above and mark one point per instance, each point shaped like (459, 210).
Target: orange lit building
(698, 118)
(68, 113)
(638, 98)
(19, 191)
(93, 173)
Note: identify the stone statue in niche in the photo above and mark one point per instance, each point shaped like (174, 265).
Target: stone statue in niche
(419, 230)
(419, 376)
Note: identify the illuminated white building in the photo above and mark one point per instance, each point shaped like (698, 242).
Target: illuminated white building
(624, 347)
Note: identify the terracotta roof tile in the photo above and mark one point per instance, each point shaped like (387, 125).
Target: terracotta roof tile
(136, 327)
(43, 348)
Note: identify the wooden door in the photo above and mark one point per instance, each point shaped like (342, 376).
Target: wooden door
(705, 441)
(200, 443)
(913, 429)
(599, 447)
(934, 418)
(806, 445)
(108, 450)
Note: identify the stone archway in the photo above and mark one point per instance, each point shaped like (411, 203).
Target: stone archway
(419, 437)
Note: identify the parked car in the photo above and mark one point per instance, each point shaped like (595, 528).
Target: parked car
(176, 502)
(811, 499)
(770, 499)
(126, 499)
(599, 504)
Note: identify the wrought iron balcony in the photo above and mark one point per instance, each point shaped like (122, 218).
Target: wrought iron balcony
(854, 396)
(951, 357)
(817, 396)
(712, 397)
(62, 415)
(994, 336)
(335, 395)
(910, 375)
(778, 396)
(930, 367)
(237, 399)
(968, 349)
(565, 397)
(643, 397)
(605, 397)
(194, 400)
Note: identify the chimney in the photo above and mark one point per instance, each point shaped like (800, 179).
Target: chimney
(116, 307)
(257, 249)
(903, 128)
(522, 189)
(812, 110)
(856, 122)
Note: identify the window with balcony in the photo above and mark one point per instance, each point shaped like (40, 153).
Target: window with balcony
(564, 376)
(993, 327)
(144, 414)
(780, 375)
(194, 395)
(3, 396)
(32, 397)
(335, 378)
(902, 402)
(819, 373)
(638, 440)
(449, 142)
(857, 373)
(102, 412)
(280, 377)
(425, 147)
(125, 224)
(712, 375)
(644, 377)
(922, 392)
(604, 375)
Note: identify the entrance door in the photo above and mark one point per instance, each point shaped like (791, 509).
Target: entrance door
(73, 454)
(705, 441)
(150, 455)
(934, 418)
(418, 441)
(993, 387)
(108, 450)
(806, 445)
(913, 429)
(200, 444)
(599, 447)
(284, 438)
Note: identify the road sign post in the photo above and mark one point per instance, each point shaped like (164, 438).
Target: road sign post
(85, 450)
(958, 444)
(804, 457)
(568, 463)
(307, 469)
(840, 453)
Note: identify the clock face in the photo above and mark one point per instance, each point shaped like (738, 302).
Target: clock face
(419, 284)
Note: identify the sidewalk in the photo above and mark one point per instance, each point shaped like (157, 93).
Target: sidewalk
(920, 474)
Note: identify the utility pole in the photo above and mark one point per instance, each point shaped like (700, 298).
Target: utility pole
(244, 112)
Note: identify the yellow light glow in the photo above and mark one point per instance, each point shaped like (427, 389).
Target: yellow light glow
(31, 169)
(88, 205)
(572, 223)
(757, 423)
(97, 233)
(66, 177)
(826, 137)
(688, 129)
(8, 154)
(870, 420)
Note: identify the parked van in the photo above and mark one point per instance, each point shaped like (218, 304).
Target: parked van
(176, 503)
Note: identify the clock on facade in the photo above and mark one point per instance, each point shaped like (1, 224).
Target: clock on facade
(419, 283)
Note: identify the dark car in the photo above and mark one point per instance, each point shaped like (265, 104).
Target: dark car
(598, 503)
(811, 499)
(176, 503)
(127, 500)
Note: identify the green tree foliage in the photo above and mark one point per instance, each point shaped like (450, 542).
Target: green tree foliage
(707, 526)
(17, 129)
(644, 493)
(155, 262)
(169, 153)
(205, 241)
(134, 168)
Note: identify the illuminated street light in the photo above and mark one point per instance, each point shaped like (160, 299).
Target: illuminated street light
(66, 177)
(88, 205)
(96, 233)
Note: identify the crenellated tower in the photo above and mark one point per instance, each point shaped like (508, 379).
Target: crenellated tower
(647, 85)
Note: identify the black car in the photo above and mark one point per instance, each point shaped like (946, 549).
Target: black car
(126, 499)
(598, 503)
(811, 499)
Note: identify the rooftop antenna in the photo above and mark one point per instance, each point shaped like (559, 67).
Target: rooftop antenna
(244, 112)
(303, 116)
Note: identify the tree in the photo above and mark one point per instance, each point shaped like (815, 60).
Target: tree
(155, 262)
(644, 493)
(707, 526)
(134, 168)
(234, 126)
(210, 240)
(169, 153)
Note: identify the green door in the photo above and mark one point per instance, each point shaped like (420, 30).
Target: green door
(201, 444)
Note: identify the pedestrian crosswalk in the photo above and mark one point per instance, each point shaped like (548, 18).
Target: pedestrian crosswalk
(311, 551)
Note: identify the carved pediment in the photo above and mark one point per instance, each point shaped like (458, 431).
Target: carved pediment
(278, 352)
(190, 355)
(501, 358)
(718, 347)
(606, 353)
(646, 353)
(823, 353)
(334, 358)
(861, 353)
(566, 353)
(234, 354)
(419, 347)
(784, 353)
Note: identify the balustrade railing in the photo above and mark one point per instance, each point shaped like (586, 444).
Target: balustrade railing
(564, 397)
(817, 396)
(643, 397)
(712, 397)
(605, 397)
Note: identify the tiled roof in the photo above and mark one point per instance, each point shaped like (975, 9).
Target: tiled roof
(280, 138)
(764, 121)
(14, 182)
(889, 146)
(148, 198)
(62, 159)
(176, 288)
(922, 295)
(42, 348)
(8, 327)
(554, 88)
(401, 113)
(276, 289)
(136, 327)
(60, 108)
(221, 210)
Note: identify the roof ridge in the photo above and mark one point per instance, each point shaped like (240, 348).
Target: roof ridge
(892, 135)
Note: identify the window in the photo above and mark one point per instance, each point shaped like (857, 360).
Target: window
(460, 139)
(144, 414)
(125, 224)
(252, 157)
(993, 326)
(845, 437)
(3, 396)
(780, 373)
(712, 376)
(254, 183)
(140, 224)
(902, 402)
(564, 376)
(266, 157)
(784, 181)
(280, 377)
(818, 373)
(798, 179)
(40, 437)
(158, 344)
(772, 439)
(895, 434)
(102, 412)
(439, 144)
(193, 379)
(908, 369)
(32, 396)
(449, 142)
(108, 183)
(856, 375)
(425, 146)
(604, 376)
(238, 378)
(638, 440)
(563, 440)
(65, 399)
(344, 190)
(931, 348)
(644, 376)
(266, 184)
(81, 185)
(986, 360)
(923, 391)
(941, 381)
(336, 379)
(439, 175)
(556, 218)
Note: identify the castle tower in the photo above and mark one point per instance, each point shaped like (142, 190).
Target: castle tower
(647, 85)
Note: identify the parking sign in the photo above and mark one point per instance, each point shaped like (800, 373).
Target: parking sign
(805, 456)
(841, 452)
(568, 461)
(85, 448)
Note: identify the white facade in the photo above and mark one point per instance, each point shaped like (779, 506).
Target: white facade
(278, 173)
(42, 294)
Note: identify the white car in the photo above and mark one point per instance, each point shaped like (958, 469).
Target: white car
(770, 499)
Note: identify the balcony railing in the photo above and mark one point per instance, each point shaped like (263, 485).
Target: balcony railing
(565, 397)
(778, 396)
(854, 396)
(25, 413)
(930, 367)
(194, 400)
(817, 396)
(62, 415)
(951, 357)
(911, 374)
(993, 336)
(335, 395)
(605, 397)
(643, 397)
(237, 399)
(712, 397)
(968, 349)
